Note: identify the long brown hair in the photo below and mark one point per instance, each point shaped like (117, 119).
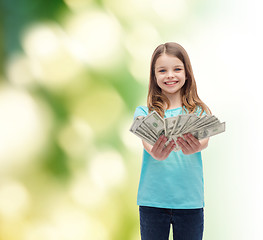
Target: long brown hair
(156, 100)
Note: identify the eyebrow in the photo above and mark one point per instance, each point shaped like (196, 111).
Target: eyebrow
(174, 66)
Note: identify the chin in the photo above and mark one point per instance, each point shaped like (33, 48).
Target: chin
(171, 92)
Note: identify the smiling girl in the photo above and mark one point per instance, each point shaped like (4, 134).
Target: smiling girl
(171, 188)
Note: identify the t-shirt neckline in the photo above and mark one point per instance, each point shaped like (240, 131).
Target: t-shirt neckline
(173, 109)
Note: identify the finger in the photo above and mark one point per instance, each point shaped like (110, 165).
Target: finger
(192, 141)
(157, 144)
(172, 147)
(162, 144)
(169, 147)
(183, 144)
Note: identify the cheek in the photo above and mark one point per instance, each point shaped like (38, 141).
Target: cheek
(158, 78)
(183, 76)
(158, 82)
(183, 81)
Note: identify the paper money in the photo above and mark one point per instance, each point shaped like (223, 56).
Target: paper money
(152, 126)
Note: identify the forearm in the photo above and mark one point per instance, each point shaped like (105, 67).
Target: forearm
(148, 147)
(204, 143)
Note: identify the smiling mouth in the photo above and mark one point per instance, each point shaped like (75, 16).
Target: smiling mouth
(171, 83)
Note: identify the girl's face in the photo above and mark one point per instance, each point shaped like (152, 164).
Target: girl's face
(170, 74)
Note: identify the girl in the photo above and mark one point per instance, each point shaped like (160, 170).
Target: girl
(171, 188)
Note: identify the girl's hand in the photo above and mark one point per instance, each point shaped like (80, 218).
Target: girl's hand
(190, 145)
(159, 151)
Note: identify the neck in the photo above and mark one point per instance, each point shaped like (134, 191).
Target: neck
(175, 100)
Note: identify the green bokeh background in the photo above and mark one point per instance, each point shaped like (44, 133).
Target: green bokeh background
(71, 75)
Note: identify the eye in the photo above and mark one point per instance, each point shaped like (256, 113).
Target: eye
(178, 69)
(162, 70)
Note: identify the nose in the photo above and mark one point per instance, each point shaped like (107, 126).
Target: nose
(170, 74)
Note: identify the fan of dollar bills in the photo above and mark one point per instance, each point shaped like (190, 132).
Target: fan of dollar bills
(152, 126)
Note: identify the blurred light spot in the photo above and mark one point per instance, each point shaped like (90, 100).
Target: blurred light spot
(23, 127)
(140, 70)
(51, 60)
(101, 107)
(86, 193)
(95, 38)
(107, 170)
(14, 199)
(132, 142)
(141, 42)
(19, 70)
(74, 224)
(78, 4)
(76, 137)
(138, 43)
(42, 40)
(41, 231)
(170, 10)
(67, 223)
(129, 10)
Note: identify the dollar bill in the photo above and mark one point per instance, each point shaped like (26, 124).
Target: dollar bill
(149, 128)
(169, 125)
(155, 122)
(181, 123)
(210, 131)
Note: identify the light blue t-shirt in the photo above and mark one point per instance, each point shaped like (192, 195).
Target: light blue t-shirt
(176, 182)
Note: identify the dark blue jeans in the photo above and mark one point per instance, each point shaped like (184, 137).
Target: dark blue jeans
(188, 224)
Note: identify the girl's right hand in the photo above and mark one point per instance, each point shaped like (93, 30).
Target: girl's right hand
(159, 151)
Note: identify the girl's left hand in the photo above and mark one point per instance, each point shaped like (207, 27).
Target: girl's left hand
(190, 145)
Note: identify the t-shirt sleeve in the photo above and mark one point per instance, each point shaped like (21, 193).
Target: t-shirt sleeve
(140, 111)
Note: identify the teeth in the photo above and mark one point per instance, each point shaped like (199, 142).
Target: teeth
(169, 83)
